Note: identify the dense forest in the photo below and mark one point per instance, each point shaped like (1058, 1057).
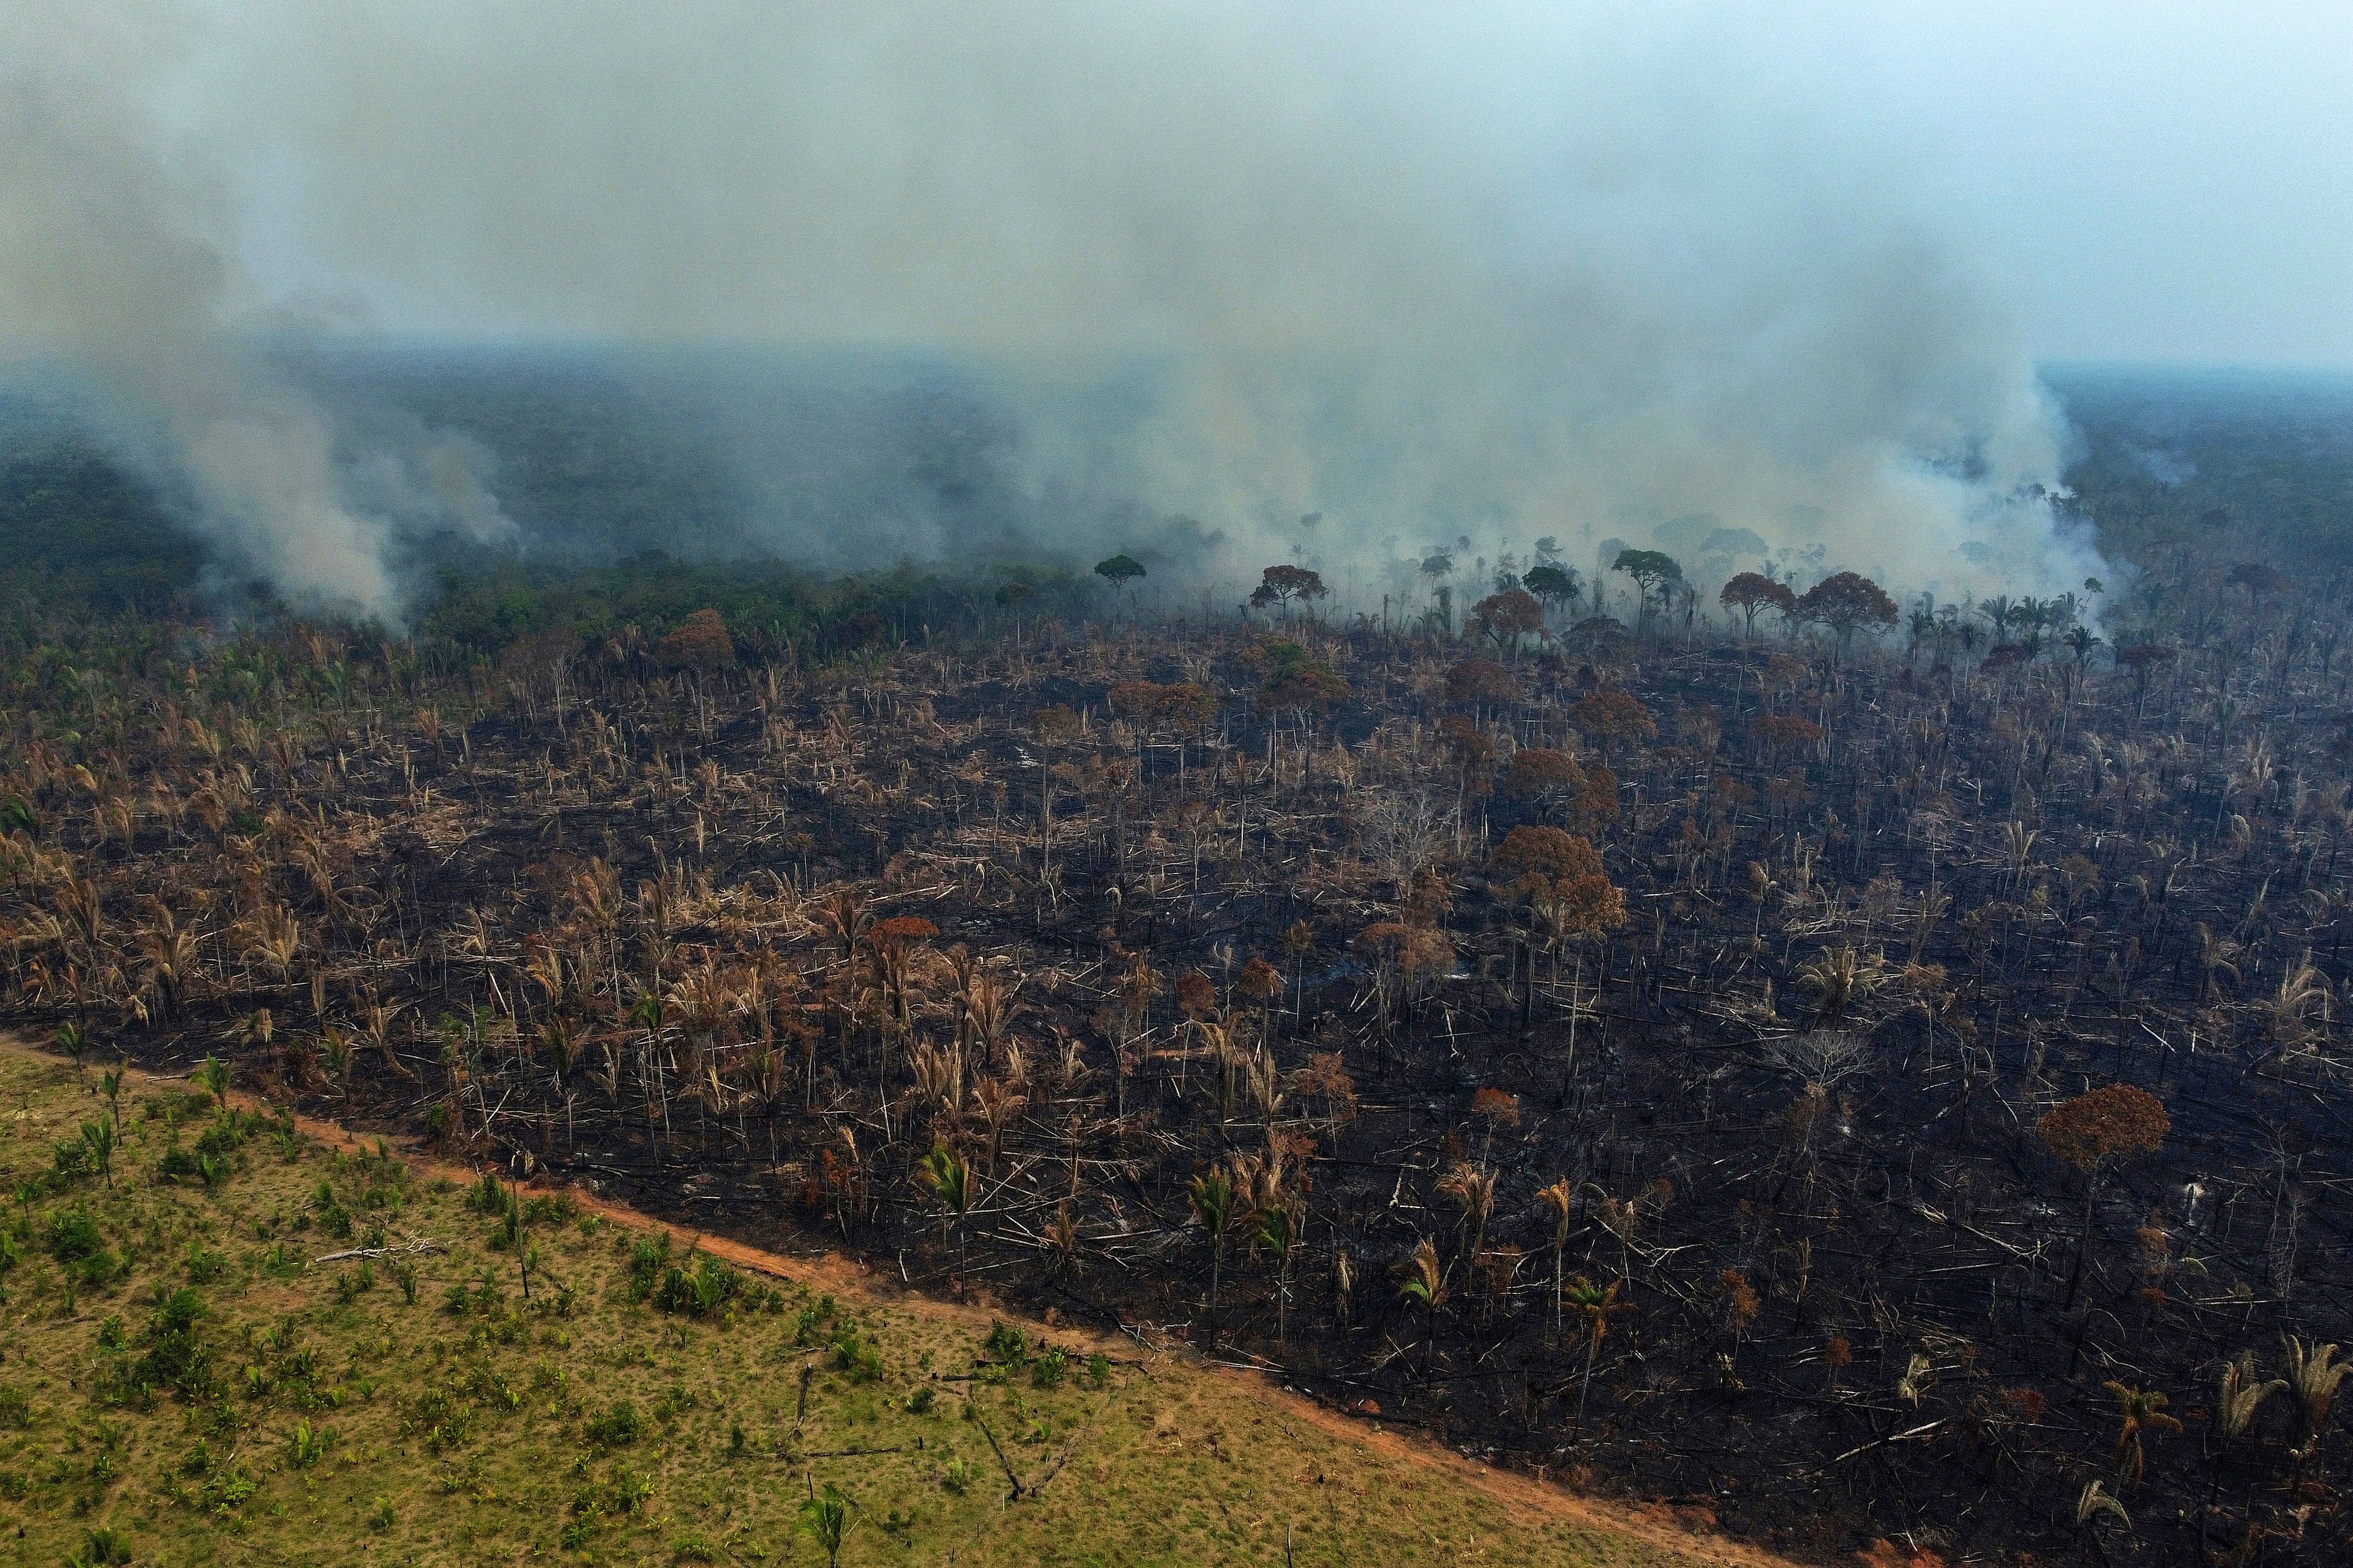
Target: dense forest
(1871, 1075)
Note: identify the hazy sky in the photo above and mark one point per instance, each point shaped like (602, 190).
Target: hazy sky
(2163, 180)
(2159, 179)
(1600, 268)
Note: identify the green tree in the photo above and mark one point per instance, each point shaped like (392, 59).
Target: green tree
(826, 1518)
(1211, 1196)
(1554, 585)
(1594, 1305)
(949, 1182)
(1654, 573)
(1422, 1282)
(2139, 1411)
(213, 1076)
(1122, 572)
(98, 1138)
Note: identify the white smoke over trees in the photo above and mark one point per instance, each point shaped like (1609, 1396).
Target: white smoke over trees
(1488, 270)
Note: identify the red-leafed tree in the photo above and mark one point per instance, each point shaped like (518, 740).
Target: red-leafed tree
(1847, 602)
(1753, 592)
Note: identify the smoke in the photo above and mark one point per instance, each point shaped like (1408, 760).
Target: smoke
(1193, 272)
(118, 278)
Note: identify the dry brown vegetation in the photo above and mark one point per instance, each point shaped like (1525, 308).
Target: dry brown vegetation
(1677, 1063)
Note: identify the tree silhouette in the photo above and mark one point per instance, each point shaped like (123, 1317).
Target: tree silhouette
(1653, 574)
(2093, 1131)
(1554, 586)
(1120, 571)
(1847, 602)
(1507, 617)
(1752, 592)
(1283, 586)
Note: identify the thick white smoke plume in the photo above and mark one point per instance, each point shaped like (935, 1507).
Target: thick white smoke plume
(1490, 271)
(118, 273)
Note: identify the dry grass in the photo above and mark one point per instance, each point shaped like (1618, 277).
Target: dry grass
(314, 1413)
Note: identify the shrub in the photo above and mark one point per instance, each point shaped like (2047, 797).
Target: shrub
(101, 1548)
(616, 1428)
(306, 1445)
(442, 1418)
(70, 1162)
(860, 1360)
(73, 1235)
(704, 1290)
(1006, 1344)
(812, 1319)
(175, 1358)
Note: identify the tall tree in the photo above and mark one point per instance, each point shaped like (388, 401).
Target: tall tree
(1847, 602)
(1752, 592)
(1654, 573)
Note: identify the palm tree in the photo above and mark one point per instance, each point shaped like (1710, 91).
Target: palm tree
(1594, 1305)
(2240, 1397)
(1473, 1191)
(100, 1138)
(826, 1518)
(949, 1181)
(2314, 1375)
(2138, 1410)
(1423, 1283)
(1277, 1230)
(213, 1076)
(1211, 1194)
(1558, 1200)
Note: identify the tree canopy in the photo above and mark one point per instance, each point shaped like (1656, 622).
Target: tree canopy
(1751, 591)
(1508, 616)
(1847, 602)
(1553, 585)
(1654, 572)
(1280, 586)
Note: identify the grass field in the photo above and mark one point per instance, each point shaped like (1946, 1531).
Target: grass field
(184, 1383)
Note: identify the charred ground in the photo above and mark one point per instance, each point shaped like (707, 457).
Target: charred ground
(1192, 978)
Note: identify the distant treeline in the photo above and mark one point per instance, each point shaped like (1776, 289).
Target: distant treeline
(84, 543)
(2244, 466)
(2230, 463)
(81, 536)
(774, 612)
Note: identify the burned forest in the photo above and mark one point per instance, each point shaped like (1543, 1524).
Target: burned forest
(1847, 1073)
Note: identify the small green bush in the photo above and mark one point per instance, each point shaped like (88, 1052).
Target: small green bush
(616, 1428)
(858, 1359)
